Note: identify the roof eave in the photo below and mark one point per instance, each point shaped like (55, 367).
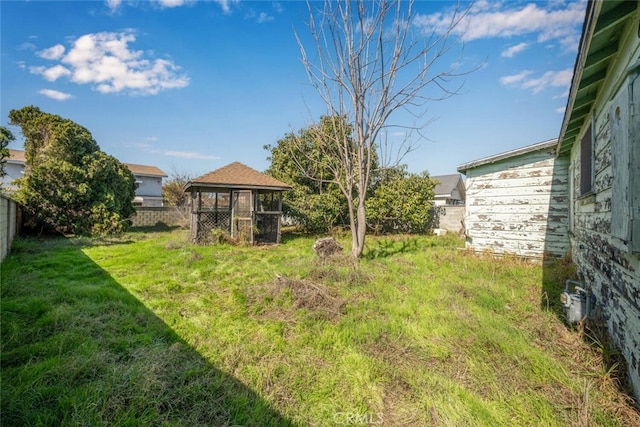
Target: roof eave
(150, 175)
(226, 186)
(579, 105)
(507, 154)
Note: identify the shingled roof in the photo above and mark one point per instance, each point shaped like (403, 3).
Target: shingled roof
(446, 184)
(237, 175)
(145, 170)
(16, 156)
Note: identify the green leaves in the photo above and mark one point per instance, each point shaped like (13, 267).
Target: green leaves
(309, 163)
(68, 183)
(5, 138)
(401, 202)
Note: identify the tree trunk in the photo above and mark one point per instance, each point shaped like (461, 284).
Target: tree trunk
(358, 233)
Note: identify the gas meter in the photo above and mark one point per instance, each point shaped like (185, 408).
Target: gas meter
(577, 304)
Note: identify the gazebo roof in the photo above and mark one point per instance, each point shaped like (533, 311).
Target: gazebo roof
(237, 176)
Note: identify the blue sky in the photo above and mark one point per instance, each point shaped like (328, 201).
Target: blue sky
(190, 86)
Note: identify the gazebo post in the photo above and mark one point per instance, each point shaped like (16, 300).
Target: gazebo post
(279, 232)
(198, 213)
(251, 216)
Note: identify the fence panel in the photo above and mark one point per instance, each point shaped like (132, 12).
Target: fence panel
(8, 224)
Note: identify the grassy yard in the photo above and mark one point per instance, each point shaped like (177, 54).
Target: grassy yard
(148, 329)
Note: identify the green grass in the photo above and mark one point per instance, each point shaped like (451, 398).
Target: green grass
(150, 329)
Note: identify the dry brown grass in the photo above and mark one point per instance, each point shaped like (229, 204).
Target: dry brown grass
(316, 299)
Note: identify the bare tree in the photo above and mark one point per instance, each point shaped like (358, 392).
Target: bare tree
(173, 188)
(369, 62)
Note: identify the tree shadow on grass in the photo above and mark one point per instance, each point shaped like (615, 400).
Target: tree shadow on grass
(385, 248)
(158, 227)
(78, 348)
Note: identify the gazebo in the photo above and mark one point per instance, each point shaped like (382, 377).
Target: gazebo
(239, 200)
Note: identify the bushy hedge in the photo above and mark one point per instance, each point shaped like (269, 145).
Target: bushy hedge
(68, 183)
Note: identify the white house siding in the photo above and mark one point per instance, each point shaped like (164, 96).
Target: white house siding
(148, 190)
(607, 264)
(13, 171)
(518, 205)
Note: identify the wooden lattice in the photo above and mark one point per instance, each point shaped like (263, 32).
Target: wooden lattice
(209, 220)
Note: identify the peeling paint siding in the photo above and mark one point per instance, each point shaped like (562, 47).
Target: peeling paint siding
(605, 263)
(519, 205)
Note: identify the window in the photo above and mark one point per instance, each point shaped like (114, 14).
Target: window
(586, 163)
(625, 159)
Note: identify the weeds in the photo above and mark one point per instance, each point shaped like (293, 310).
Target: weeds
(150, 329)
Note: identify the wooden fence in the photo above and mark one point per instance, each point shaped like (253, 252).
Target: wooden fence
(8, 224)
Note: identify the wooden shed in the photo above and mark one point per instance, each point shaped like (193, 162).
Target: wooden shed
(517, 202)
(239, 200)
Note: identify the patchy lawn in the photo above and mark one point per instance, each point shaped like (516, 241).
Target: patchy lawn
(150, 329)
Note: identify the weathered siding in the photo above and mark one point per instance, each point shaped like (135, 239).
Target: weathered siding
(607, 264)
(519, 205)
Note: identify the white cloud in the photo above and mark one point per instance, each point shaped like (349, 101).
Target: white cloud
(560, 110)
(486, 20)
(53, 53)
(171, 3)
(188, 155)
(226, 4)
(54, 73)
(557, 79)
(560, 78)
(264, 17)
(27, 46)
(515, 78)
(511, 51)
(106, 61)
(113, 4)
(54, 94)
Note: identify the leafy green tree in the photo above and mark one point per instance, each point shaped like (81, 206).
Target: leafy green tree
(316, 200)
(68, 183)
(5, 138)
(401, 202)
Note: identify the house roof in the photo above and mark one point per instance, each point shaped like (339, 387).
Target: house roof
(508, 154)
(601, 32)
(17, 156)
(237, 175)
(447, 183)
(145, 170)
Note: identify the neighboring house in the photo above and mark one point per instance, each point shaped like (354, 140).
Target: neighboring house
(13, 169)
(449, 190)
(148, 179)
(517, 202)
(600, 137)
(148, 185)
